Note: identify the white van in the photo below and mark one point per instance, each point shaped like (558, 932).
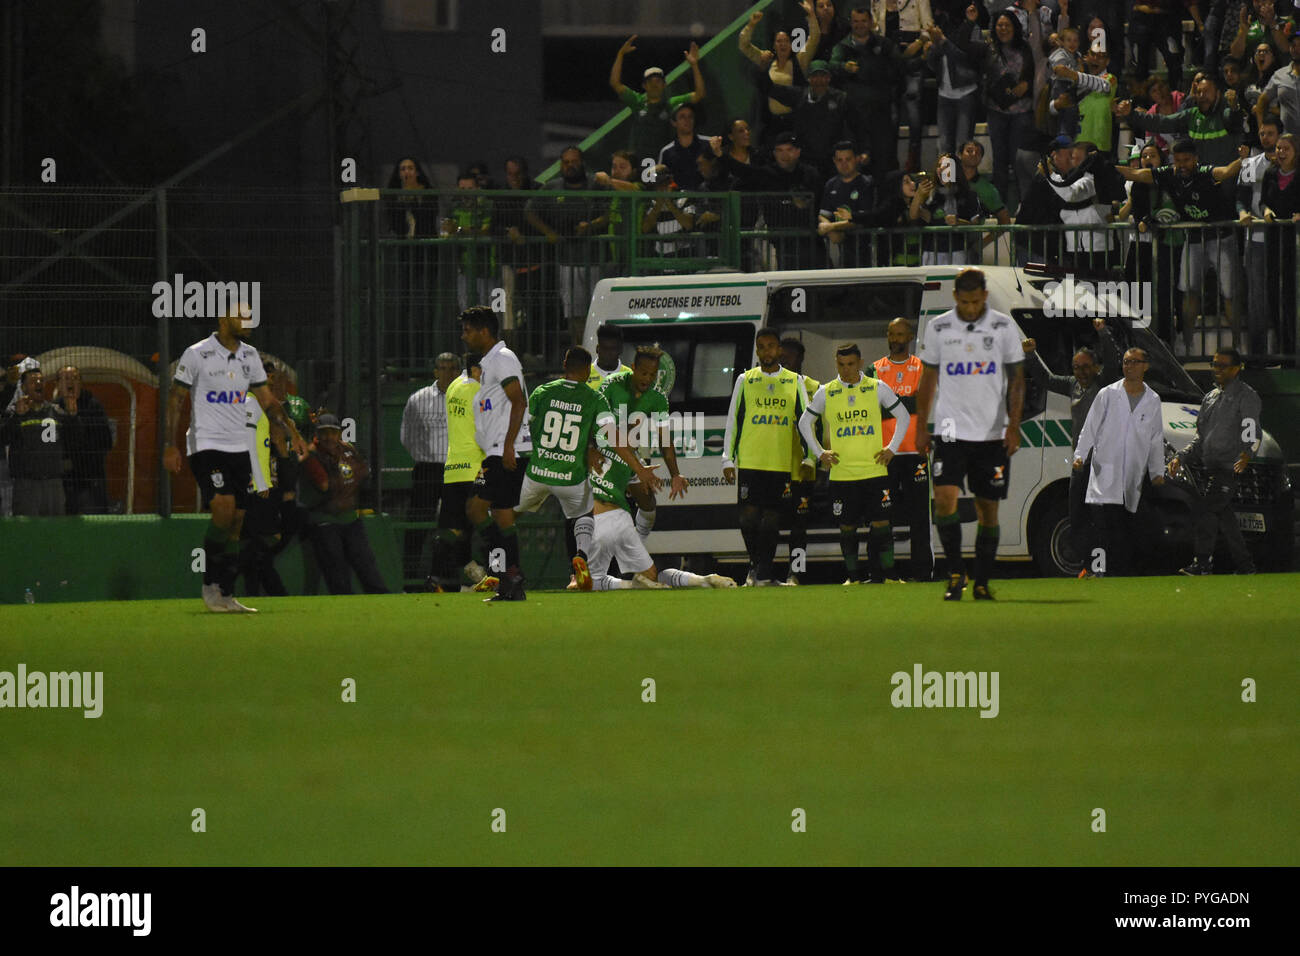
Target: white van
(706, 325)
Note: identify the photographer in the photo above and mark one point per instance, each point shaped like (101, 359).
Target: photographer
(334, 473)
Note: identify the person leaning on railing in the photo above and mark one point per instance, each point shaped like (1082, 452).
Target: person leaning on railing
(1282, 202)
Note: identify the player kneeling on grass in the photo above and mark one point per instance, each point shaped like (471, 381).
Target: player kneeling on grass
(616, 537)
(850, 408)
(565, 414)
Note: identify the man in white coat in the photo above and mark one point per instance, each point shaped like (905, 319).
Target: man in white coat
(1125, 434)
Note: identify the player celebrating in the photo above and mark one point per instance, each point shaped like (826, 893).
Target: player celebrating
(615, 536)
(973, 355)
(501, 431)
(764, 415)
(909, 473)
(633, 400)
(852, 407)
(566, 414)
(220, 371)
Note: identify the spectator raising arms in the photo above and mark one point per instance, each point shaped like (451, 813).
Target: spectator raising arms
(782, 66)
(652, 110)
(955, 62)
(1010, 66)
(869, 66)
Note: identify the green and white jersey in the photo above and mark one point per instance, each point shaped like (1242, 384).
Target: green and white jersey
(564, 415)
(974, 361)
(611, 487)
(633, 412)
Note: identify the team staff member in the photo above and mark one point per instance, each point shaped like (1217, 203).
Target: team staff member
(973, 356)
(765, 408)
(501, 430)
(609, 346)
(220, 371)
(1092, 370)
(909, 472)
(851, 408)
(1123, 436)
(803, 477)
(1227, 431)
(424, 436)
(451, 545)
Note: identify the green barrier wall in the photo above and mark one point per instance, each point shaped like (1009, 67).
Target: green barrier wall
(125, 557)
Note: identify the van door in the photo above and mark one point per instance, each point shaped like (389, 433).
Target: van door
(706, 358)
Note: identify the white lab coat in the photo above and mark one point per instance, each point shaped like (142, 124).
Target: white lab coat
(1123, 444)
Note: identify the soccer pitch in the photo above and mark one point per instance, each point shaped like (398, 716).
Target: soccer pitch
(765, 702)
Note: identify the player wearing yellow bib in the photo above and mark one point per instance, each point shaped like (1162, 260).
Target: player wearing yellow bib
(452, 545)
(761, 423)
(803, 476)
(851, 409)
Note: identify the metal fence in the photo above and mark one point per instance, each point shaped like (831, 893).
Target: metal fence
(359, 298)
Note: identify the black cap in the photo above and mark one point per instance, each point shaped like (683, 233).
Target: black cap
(786, 138)
(328, 421)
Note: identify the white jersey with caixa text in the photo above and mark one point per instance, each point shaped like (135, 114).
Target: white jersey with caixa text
(974, 361)
(218, 380)
(492, 408)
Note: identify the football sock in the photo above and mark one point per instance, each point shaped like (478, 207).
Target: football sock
(571, 546)
(645, 521)
(608, 582)
(986, 549)
(749, 520)
(950, 537)
(229, 566)
(881, 543)
(769, 535)
(510, 541)
(583, 529)
(849, 548)
(676, 578)
(798, 530)
(214, 546)
(492, 544)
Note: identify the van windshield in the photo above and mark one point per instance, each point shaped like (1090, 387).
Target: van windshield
(1060, 337)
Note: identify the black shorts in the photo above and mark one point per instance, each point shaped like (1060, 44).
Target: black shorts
(454, 498)
(761, 489)
(911, 477)
(867, 499)
(498, 487)
(222, 473)
(798, 496)
(984, 466)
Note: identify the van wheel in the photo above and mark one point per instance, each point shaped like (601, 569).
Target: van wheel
(1053, 552)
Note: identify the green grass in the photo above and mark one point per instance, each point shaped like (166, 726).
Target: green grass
(536, 708)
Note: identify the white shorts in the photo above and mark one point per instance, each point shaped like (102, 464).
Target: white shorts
(1217, 253)
(616, 537)
(575, 500)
